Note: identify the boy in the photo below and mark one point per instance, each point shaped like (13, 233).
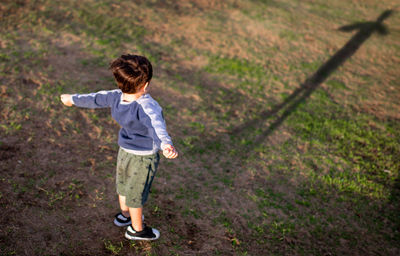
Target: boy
(142, 134)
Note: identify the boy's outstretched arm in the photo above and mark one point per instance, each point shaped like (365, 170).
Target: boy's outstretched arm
(101, 99)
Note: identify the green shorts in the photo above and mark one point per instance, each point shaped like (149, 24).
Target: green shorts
(134, 176)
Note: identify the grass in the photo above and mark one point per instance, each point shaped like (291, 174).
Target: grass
(261, 169)
(354, 137)
(114, 249)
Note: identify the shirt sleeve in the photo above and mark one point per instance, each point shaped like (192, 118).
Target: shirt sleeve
(101, 99)
(153, 118)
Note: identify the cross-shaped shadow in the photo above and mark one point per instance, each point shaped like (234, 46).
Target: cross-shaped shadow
(365, 30)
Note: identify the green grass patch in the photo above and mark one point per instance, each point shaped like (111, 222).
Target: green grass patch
(362, 141)
(236, 67)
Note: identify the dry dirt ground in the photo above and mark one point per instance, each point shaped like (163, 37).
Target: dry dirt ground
(57, 193)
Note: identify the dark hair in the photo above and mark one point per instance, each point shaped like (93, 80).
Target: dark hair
(131, 72)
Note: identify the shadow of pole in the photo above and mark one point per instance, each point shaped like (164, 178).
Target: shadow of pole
(365, 30)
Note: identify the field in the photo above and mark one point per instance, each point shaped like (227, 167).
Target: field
(286, 115)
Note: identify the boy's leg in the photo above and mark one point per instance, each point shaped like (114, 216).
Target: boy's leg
(136, 218)
(122, 219)
(122, 205)
(121, 174)
(142, 171)
(125, 212)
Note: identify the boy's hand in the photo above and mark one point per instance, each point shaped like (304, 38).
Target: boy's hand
(170, 152)
(66, 99)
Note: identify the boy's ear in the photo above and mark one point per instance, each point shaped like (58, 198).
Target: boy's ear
(145, 86)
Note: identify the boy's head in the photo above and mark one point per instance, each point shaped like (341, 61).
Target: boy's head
(131, 72)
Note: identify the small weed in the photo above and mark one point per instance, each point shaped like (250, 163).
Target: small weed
(281, 229)
(115, 249)
(190, 142)
(11, 128)
(55, 196)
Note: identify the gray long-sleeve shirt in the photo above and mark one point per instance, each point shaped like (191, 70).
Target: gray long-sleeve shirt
(143, 130)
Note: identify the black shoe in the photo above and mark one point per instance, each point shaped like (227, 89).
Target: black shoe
(122, 221)
(147, 233)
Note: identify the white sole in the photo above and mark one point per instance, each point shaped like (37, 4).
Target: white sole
(156, 232)
(116, 223)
